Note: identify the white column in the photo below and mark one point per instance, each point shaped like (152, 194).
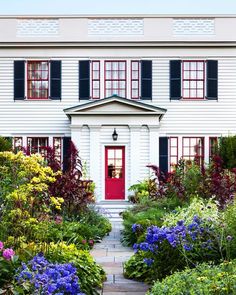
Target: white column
(154, 145)
(206, 149)
(76, 134)
(134, 153)
(95, 158)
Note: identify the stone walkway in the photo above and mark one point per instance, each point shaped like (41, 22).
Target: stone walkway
(111, 255)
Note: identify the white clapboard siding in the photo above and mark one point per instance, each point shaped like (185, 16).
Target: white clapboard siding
(182, 117)
(70, 85)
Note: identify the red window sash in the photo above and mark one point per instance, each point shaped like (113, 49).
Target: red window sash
(29, 79)
(135, 79)
(95, 79)
(174, 156)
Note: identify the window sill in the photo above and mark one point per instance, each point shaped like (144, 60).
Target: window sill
(37, 99)
(193, 99)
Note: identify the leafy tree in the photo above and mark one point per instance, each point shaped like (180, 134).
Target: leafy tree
(5, 144)
(227, 151)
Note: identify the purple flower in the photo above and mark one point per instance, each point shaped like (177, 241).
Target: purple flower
(188, 247)
(148, 261)
(136, 227)
(8, 253)
(229, 238)
(1, 246)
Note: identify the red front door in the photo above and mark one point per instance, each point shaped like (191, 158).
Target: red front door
(114, 173)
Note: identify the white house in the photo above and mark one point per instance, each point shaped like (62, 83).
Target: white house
(128, 90)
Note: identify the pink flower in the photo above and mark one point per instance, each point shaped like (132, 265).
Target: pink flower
(1, 246)
(91, 242)
(84, 241)
(58, 219)
(8, 253)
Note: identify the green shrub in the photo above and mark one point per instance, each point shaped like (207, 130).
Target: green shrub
(5, 144)
(185, 239)
(167, 260)
(204, 209)
(136, 268)
(204, 279)
(146, 214)
(227, 151)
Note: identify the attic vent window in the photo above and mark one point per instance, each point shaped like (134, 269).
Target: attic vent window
(193, 26)
(115, 26)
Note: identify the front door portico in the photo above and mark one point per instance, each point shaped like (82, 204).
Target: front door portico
(116, 164)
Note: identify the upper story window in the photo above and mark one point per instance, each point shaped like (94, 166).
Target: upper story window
(193, 79)
(37, 79)
(125, 78)
(115, 78)
(135, 79)
(95, 79)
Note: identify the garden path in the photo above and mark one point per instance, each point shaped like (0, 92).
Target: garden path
(111, 255)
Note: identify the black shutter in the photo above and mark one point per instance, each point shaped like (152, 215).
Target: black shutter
(66, 152)
(163, 154)
(84, 79)
(55, 79)
(212, 79)
(146, 79)
(175, 79)
(19, 79)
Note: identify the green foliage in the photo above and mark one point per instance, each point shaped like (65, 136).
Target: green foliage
(230, 226)
(204, 279)
(5, 144)
(227, 151)
(204, 209)
(136, 268)
(24, 196)
(91, 275)
(141, 191)
(167, 261)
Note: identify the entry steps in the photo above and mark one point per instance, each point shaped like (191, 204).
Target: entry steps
(113, 209)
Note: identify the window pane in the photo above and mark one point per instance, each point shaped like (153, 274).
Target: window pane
(111, 154)
(96, 75)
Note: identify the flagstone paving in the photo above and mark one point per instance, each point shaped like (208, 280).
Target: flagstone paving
(111, 255)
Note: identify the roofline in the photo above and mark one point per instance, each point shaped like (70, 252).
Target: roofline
(123, 43)
(102, 101)
(128, 15)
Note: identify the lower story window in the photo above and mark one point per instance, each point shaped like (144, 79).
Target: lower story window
(173, 142)
(37, 145)
(213, 141)
(193, 149)
(17, 143)
(57, 148)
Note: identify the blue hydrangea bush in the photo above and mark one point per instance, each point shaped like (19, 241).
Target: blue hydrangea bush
(39, 276)
(168, 249)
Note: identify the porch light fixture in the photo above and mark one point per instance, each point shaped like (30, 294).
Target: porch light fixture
(114, 135)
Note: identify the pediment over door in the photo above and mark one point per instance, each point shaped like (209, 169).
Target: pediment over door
(115, 105)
